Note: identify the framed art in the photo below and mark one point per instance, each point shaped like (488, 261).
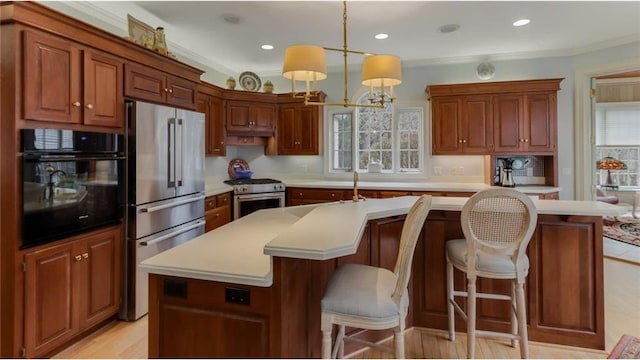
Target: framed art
(140, 33)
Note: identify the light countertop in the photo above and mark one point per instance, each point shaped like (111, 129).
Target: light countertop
(215, 187)
(240, 252)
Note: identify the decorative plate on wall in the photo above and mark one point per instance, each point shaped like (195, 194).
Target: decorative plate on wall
(250, 81)
(236, 164)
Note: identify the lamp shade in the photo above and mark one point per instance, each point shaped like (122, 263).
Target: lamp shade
(379, 69)
(304, 63)
(610, 163)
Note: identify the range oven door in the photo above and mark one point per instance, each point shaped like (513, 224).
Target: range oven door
(246, 204)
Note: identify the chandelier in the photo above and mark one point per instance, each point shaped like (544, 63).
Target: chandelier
(307, 63)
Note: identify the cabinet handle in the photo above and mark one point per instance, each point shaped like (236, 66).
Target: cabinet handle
(85, 255)
(89, 106)
(76, 104)
(78, 257)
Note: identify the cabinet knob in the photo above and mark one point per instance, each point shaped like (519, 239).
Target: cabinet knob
(76, 104)
(170, 91)
(85, 255)
(221, 142)
(166, 90)
(78, 257)
(217, 214)
(224, 200)
(460, 141)
(300, 194)
(333, 195)
(526, 140)
(464, 141)
(89, 106)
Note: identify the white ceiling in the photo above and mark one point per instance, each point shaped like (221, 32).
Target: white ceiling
(486, 31)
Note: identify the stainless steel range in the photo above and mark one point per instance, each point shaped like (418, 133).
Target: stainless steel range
(251, 195)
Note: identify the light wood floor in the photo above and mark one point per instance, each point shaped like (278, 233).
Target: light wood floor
(622, 301)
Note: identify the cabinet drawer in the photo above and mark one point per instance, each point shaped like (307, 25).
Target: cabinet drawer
(317, 194)
(217, 217)
(210, 203)
(223, 199)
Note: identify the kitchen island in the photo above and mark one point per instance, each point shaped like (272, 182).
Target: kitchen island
(252, 288)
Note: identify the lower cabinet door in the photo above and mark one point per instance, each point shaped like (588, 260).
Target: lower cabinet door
(51, 287)
(100, 277)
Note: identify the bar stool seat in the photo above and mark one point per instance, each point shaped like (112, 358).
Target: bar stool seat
(487, 265)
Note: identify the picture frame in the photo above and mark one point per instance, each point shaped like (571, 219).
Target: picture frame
(140, 33)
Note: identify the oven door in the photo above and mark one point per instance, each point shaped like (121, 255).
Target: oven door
(246, 204)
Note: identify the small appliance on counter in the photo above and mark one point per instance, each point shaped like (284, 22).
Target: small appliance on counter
(504, 172)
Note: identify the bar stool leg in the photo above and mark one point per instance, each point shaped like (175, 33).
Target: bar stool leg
(450, 299)
(514, 317)
(522, 321)
(341, 344)
(326, 328)
(471, 318)
(399, 342)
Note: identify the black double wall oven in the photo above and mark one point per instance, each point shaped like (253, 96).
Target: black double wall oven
(73, 181)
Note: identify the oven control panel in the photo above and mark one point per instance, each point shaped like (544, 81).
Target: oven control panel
(259, 188)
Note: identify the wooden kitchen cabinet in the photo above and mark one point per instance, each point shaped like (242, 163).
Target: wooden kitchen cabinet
(525, 123)
(250, 118)
(299, 127)
(462, 125)
(70, 287)
(209, 102)
(217, 211)
(508, 117)
(145, 83)
(88, 84)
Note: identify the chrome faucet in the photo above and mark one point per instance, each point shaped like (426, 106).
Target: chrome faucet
(48, 194)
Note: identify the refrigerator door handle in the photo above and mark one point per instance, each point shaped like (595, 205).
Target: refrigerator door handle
(172, 234)
(173, 204)
(171, 156)
(179, 143)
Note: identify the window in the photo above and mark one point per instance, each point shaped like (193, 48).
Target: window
(393, 139)
(342, 141)
(618, 135)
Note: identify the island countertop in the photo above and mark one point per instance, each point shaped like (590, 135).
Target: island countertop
(240, 252)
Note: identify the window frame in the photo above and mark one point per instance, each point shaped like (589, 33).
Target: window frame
(396, 173)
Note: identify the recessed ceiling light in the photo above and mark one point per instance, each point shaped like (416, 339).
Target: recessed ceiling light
(231, 19)
(267, 47)
(381, 36)
(449, 28)
(521, 22)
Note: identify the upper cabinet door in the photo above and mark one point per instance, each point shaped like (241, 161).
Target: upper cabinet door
(180, 92)
(215, 127)
(263, 117)
(309, 140)
(287, 137)
(52, 73)
(540, 127)
(508, 110)
(477, 123)
(144, 83)
(446, 122)
(103, 99)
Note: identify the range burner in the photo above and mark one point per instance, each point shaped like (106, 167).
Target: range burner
(255, 186)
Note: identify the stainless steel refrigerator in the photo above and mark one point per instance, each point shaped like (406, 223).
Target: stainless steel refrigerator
(165, 187)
